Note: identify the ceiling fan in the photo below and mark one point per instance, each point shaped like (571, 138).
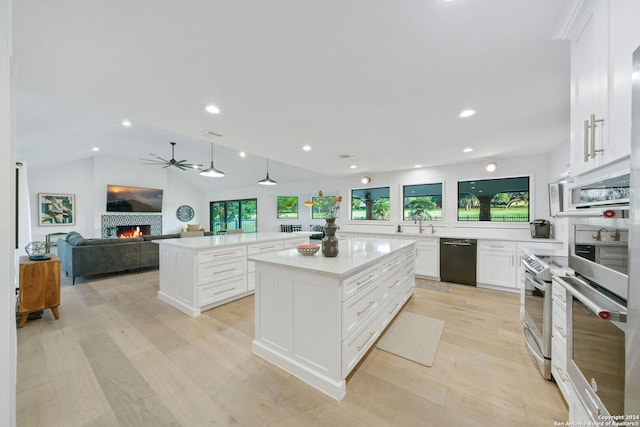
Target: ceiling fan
(180, 164)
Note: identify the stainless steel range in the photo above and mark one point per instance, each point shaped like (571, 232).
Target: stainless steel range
(536, 329)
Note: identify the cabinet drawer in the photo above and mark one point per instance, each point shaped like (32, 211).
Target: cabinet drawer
(390, 308)
(559, 322)
(559, 370)
(214, 271)
(353, 284)
(559, 294)
(497, 246)
(358, 343)
(296, 242)
(391, 264)
(214, 292)
(259, 248)
(221, 254)
(357, 309)
(390, 283)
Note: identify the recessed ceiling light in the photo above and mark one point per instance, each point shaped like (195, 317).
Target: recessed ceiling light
(491, 166)
(307, 148)
(353, 166)
(467, 113)
(242, 154)
(467, 150)
(212, 109)
(95, 149)
(417, 166)
(126, 123)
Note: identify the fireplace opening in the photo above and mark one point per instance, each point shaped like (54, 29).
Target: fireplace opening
(133, 230)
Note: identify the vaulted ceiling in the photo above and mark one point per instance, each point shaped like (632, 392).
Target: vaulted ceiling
(381, 82)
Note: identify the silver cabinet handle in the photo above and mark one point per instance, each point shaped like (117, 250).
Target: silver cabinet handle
(371, 276)
(593, 135)
(226, 290)
(360, 313)
(394, 284)
(371, 334)
(586, 140)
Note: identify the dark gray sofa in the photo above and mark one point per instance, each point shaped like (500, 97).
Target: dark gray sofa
(87, 257)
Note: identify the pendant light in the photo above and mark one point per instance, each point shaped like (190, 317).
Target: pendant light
(267, 180)
(212, 172)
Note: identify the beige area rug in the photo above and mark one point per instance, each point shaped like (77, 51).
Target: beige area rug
(413, 337)
(433, 285)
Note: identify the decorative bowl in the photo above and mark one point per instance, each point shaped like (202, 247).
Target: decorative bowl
(308, 250)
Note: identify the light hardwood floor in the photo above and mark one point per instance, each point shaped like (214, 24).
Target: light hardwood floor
(119, 356)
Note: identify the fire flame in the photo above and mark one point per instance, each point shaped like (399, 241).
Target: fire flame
(132, 233)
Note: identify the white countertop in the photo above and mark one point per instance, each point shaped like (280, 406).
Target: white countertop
(456, 234)
(207, 242)
(353, 254)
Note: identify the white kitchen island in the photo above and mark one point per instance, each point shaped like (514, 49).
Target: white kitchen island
(199, 273)
(316, 317)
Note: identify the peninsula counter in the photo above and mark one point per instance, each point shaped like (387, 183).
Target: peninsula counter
(316, 317)
(199, 273)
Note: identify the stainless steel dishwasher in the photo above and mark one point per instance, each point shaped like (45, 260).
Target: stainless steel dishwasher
(458, 261)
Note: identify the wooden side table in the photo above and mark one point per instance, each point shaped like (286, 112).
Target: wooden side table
(39, 287)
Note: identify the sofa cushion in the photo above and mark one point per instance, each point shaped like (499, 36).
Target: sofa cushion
(76, 239)
(194, 227)
(163, 236)
(95, 242)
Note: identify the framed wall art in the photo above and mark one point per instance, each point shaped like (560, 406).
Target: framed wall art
(56, 209)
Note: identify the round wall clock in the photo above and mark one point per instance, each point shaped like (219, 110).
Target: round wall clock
(185, 213)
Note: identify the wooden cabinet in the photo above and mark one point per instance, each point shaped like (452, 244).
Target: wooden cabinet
(39, 287)
(428, 258)
(497, 265)
(603, 35)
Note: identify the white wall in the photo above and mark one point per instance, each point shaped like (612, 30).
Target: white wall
(8, 343)
(87, 180)
(535, 166)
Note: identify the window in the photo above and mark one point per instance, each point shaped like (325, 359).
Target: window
(422, 201)
(495, 200)
(321, 206)
(287, 207)
(233, 214)
(370, 204)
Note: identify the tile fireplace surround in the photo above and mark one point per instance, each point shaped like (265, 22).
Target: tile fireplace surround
(113, 220)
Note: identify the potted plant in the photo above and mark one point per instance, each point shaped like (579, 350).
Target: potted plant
(111, 231)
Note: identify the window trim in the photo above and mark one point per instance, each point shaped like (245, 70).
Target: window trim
(442, 195)
(499, 224)
(370, 221)
(297, 208)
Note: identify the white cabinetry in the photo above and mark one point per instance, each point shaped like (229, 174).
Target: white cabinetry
(603, 35)
(318, 324)
(497, 265)
(428, 257)
(199, 274)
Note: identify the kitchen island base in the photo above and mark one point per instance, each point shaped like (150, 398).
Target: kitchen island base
(317, 322)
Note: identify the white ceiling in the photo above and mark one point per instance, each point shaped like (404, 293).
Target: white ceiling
(382, 81)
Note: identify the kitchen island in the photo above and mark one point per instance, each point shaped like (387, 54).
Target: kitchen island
(199, 273)
(316, 317)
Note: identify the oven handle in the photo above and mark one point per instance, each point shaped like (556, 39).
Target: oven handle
(528, 336)
(606, 313)
(535, 283)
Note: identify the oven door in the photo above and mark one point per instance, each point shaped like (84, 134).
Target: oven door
(537, 322)
(596, 337)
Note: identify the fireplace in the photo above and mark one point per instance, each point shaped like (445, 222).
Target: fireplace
(133, 230)
(150, 224)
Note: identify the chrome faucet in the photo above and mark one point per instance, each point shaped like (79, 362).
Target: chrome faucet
(418, 219)
(598, 235)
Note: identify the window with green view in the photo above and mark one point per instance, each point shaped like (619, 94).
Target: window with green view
(233, 214)
(287, 207)
(423, 201)
(322, 206)
(370, 204)
(495, 200)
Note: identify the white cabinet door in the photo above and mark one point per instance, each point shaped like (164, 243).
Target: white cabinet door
(428, 258)
(497, 264)
(589, 85)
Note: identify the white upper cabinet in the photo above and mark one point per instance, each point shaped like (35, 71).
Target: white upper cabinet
(603, 37)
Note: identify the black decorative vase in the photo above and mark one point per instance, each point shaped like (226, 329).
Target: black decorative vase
(330, 241)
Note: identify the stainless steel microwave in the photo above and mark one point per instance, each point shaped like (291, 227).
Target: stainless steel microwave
(611, 190)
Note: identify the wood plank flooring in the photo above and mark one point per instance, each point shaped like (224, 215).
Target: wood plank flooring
(120, 357)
